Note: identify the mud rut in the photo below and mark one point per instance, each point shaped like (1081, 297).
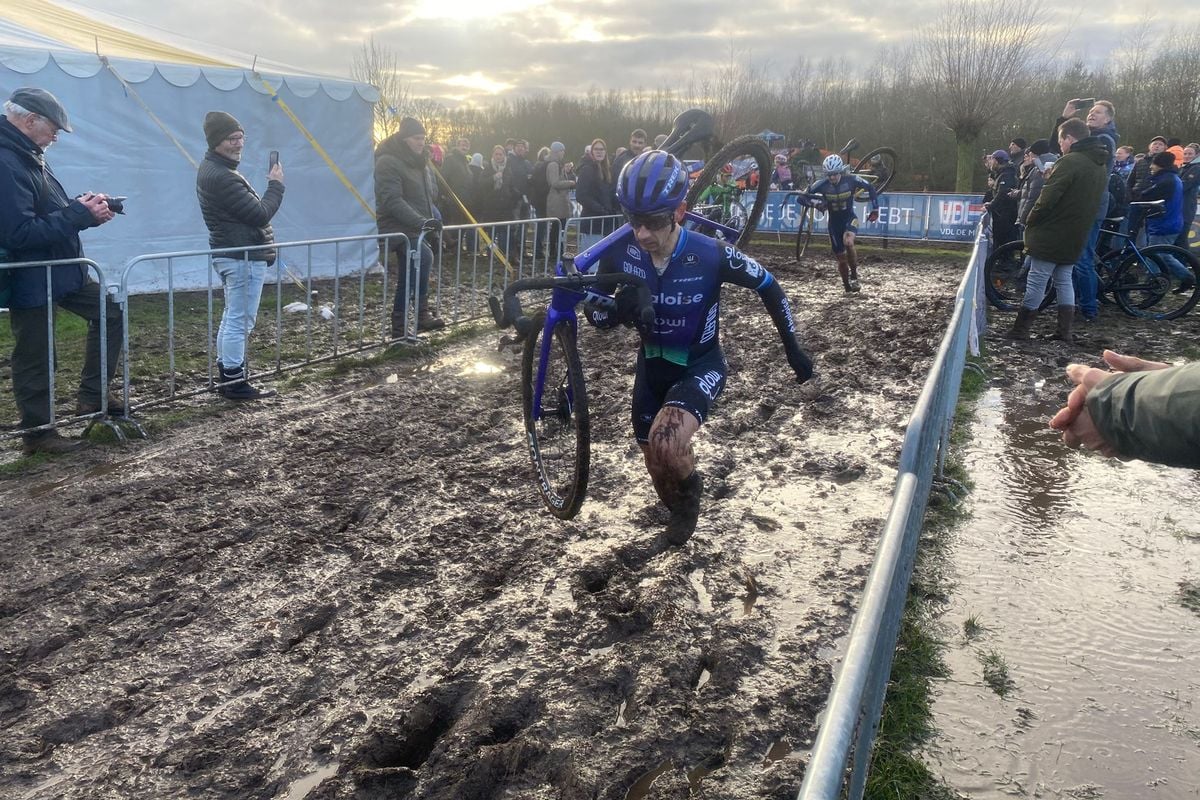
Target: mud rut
(356, 594)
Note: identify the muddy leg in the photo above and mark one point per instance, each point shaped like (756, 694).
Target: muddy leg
(672, 466)
(843, 270)
(852, 261)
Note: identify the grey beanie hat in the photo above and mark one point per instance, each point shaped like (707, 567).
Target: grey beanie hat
(39, 101)
(218, 126)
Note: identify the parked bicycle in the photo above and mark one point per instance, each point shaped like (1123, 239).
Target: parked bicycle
(554, 393)
(878, 168)
(1138, 279)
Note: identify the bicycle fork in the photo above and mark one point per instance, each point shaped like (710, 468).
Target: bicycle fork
(561, 308)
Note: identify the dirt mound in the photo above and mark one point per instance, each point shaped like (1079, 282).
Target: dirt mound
(357, 594)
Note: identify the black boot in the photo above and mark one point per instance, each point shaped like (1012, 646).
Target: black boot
(1023, 324)
(238, 386)
(1066, 319)
(685, 510)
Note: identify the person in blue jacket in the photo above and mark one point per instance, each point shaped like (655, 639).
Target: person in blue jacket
(680, 367)
(1164, 184)
(39, 221)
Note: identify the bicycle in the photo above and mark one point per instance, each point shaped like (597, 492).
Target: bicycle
(877, 167)
(553, 391)
(1137, 278)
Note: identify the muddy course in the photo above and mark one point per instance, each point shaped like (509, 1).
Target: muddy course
(354, 591)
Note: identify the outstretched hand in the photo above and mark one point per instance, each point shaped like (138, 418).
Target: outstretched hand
(1077, 426)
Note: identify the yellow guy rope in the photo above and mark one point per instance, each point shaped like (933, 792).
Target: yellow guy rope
(129, 90)
(487, 240)
(315, 145)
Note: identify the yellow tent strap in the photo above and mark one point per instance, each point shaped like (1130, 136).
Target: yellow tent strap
(138, 99)
(316, 145)
(487, 240)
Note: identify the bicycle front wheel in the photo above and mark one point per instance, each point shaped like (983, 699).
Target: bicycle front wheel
(804, 232)
(1160, 284)
(750, 159)
(557, 423)
(877, 168)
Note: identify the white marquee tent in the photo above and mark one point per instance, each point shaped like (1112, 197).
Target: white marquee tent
(138, 132)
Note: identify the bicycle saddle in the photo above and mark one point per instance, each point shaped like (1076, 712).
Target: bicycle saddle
(850, 147)
(693, 125)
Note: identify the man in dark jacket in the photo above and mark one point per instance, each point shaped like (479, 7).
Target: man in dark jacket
(457, 174)
(1164, 184)
(236, 217)
(1059, 225)
(1005, 194)
(38, 221)
(1101, 123)
(405, 195)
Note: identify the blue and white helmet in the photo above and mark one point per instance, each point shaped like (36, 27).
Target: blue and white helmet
(833, 164)
(652, 183)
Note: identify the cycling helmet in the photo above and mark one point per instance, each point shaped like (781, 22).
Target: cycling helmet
(652, 183)
(780, 158)
(833, 164)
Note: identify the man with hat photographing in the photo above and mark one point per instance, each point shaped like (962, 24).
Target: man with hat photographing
(39, 221)
(236, 217)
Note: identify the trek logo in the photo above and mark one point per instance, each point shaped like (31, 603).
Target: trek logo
(677, 299)
(634, 253)
(958, 212)
(710, 384)
(633, 269)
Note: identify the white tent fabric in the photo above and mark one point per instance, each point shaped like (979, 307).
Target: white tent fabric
(118, 149)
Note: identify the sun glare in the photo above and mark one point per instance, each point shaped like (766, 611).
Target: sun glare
(478, 82)
(466, 10)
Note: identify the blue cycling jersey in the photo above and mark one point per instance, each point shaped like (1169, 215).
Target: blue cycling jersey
(687, 295)
(839, 197)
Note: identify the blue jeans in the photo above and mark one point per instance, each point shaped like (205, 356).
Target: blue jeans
(243, 282)
(1040, 274)
(1174, 266)
(1086, 282)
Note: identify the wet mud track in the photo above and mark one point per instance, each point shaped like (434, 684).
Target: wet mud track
(356, 593)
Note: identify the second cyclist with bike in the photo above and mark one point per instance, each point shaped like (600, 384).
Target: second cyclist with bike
(835, 195)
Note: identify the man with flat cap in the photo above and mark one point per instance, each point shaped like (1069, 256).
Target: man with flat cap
(236, 217)
(39, 221)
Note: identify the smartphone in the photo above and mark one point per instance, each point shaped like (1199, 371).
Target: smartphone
(272, 159)
(1085, 102)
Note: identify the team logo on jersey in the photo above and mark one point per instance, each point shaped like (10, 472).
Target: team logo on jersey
(739, 260)
(710, 324)
(634, 253)
(633, 269)
(691, 258)
(710, 383)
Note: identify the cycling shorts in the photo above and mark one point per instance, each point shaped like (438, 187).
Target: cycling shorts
(839, 224)
(660, 383)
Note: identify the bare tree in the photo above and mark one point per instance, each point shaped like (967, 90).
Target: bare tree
(379, 66)
(976, 58)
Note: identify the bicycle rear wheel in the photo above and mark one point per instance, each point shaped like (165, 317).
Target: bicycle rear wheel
(558, 428)
(1004, 275)
(877, 168)
(804, 232)
(747, 154)
(1146, 287)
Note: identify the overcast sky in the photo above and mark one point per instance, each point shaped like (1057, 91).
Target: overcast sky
(472, 49)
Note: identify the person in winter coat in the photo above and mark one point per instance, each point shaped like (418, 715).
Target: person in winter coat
(1164, 184)
(1142, 409)
(39, 221)
(1005, 191)
(595, 189)
(236, 217)
(558, 199)
(496, 198)
(405, 200)
(1037, 161)
(1189, 173)
(1059, 224)
(457, 174)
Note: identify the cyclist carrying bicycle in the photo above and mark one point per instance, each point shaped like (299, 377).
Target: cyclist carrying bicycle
(835, 194)
(680, 367)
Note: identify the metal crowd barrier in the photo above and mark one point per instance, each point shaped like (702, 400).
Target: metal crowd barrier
(582, 232)
(852, 713)
(99, 417)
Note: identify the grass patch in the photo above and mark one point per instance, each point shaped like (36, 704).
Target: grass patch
(996, 673)
(972, 627)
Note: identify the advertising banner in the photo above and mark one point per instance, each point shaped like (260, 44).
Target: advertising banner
(902, 215)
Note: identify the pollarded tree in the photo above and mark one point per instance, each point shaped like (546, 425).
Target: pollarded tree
(976, 58)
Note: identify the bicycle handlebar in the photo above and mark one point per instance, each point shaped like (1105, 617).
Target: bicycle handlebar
(509, 311)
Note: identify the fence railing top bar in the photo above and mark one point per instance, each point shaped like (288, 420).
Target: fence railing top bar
(219, 251)
(61, 262)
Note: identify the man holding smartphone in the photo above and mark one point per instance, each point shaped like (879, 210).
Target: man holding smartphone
(237, 217)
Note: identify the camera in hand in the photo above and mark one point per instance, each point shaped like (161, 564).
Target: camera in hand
(116, 204)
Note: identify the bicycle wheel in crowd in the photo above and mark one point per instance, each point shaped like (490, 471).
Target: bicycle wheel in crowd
(877, 168)
(804, 231)
(1147, 287)
(751, 161)
(1004, 275)
(558, 428)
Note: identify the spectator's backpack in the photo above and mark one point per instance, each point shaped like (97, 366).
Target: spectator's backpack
(539, 187)
(1118, 195)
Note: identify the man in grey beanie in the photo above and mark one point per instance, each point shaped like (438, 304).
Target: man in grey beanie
(236, 217)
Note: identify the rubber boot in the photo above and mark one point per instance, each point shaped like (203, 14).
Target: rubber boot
(685, 510)
(240, 388)
(1066, 318)
(1023, 324)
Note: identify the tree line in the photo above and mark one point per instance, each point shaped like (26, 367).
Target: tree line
(952, 93)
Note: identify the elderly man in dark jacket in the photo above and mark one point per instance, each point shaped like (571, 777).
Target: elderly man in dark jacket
(1059, 224)
(236, 217)
(405, 194)
(39, 221)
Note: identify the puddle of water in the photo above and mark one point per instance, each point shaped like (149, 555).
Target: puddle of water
(1072, 566)
(642, 785)
(777, 752)
(703, 598)
(302, 787)
(622, 721)
(705, 675)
